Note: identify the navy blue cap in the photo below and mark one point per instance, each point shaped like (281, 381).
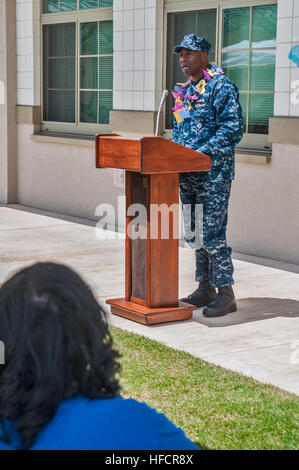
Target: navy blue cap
(194, 43)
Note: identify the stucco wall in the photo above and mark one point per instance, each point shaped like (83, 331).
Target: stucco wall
(62, 177)
(264, 215)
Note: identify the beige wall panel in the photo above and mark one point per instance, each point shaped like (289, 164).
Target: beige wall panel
(264, 211)
(62, 177)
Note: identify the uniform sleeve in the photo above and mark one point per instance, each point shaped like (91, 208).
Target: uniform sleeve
(229, 121)
(175, 131)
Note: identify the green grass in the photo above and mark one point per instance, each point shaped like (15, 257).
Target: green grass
(217, 408)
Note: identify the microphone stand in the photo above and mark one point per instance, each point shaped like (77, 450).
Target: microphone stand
(164, 96)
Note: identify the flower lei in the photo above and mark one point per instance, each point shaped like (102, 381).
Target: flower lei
(180, 110)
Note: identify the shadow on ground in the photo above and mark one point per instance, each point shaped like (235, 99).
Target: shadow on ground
(201, 446)
(271, 263)
(252, 309)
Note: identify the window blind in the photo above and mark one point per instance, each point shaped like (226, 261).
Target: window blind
(59, 72)
(96, 71)
(56, 6)
(248, 59)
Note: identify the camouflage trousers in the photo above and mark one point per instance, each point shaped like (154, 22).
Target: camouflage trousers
(205, 211)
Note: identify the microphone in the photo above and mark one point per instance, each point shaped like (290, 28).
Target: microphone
(163, 99)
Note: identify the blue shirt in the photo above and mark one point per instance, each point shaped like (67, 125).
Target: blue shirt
(105, 424)
(214, 126)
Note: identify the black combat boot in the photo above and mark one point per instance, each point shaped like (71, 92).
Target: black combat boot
(202, 296)
(225, 303)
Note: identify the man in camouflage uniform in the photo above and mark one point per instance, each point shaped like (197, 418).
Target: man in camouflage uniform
(208, 118)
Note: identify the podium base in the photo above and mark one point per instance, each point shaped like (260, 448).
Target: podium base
(150, 316)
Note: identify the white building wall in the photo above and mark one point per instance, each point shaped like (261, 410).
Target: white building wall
(287, 73)
(264, 216)
(138, 42)
(61, 177)
(28, 52)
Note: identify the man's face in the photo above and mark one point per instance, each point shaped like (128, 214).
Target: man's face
(193, 62)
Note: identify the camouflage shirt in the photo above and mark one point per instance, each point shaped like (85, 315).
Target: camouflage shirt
(212, 124)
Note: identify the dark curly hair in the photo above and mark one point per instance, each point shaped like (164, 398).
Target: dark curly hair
(57, 346)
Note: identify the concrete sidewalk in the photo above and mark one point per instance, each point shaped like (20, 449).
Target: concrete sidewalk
(261, 340)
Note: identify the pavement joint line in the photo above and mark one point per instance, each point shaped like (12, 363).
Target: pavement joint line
(245, 350)
(31, 228)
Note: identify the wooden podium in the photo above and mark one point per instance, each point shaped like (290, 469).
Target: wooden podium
(152, 167)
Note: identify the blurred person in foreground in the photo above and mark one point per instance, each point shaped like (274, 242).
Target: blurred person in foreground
(58, 386)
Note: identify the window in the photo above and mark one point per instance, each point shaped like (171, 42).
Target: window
(243, 42)
(203, 23)
(248, 59)
(59, 72)
(55, 6)
(77, 65)
(96, 76)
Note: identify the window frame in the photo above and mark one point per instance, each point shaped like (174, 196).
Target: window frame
(249, 141)
(77, 17)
